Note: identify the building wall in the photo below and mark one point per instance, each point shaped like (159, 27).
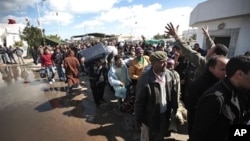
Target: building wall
(238, 28)
(11, 33)
(243, 44)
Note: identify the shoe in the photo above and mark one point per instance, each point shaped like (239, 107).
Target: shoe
(68, 89)
(62, 79)
(79, 87)
(50, 82)
(53, 80)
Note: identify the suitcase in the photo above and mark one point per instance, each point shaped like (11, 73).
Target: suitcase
(93, 53)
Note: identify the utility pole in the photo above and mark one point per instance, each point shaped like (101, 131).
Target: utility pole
(58, 29)
(39, 21)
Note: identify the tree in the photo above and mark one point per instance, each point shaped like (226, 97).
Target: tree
(18, 43)
(33, 36)
(159, 36)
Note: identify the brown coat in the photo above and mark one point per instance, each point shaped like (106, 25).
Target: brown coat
(71, 65)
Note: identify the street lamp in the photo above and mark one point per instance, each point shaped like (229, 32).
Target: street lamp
(39, 21)
(132, 30)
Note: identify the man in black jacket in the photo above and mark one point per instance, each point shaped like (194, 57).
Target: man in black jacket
(58, 60)
(215, 71)
(220, 106)
(98, 79)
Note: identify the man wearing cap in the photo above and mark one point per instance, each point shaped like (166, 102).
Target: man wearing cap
(137, 65)
(156, 97)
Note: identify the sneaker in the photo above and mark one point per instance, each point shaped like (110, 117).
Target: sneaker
(79, 87)
(50, 82)
(53, 80)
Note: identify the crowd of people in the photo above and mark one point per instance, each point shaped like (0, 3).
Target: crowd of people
(202, 87)
(9, 54)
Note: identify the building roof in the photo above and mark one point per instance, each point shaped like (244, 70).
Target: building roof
(219, 9)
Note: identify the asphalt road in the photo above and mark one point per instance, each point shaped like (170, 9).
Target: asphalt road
(33, 110)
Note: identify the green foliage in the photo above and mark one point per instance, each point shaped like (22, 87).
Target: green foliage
(54, 37)
(158, 36)
(194, 36)
(32, 35)
(18, 44)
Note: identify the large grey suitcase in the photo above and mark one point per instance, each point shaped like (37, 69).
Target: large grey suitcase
(93, 53)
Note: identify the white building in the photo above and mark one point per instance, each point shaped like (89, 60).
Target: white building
(9, 33)
(228, 22)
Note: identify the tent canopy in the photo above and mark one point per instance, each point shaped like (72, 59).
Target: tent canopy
(51, 42)
(98, 35)
(154, 42)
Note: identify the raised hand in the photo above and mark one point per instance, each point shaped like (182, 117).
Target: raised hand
(205, 31)
(143, 37)
(171, 30)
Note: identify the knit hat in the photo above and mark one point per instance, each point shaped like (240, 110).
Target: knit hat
(158, 56)
(139, 50)
(170, 61)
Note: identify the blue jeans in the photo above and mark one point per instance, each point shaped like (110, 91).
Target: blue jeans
(50, 72)
(60, 71)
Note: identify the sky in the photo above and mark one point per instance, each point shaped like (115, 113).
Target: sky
(67, 18)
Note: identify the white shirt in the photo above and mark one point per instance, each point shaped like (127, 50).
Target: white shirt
(162, 81)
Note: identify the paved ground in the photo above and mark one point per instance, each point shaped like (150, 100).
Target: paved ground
(33, 110)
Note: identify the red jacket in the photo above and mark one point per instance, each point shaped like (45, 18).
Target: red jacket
(46, 60)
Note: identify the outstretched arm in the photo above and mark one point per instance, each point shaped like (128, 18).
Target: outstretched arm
(188, 52)
(209, 42)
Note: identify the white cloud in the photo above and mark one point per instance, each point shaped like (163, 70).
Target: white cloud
(90, 24)
(132, 19)
(52, 17)
(81, 6)
(138, 20)
(7, 6)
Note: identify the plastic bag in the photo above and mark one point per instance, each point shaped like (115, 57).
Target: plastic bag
(120, 92)
(42, 73)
